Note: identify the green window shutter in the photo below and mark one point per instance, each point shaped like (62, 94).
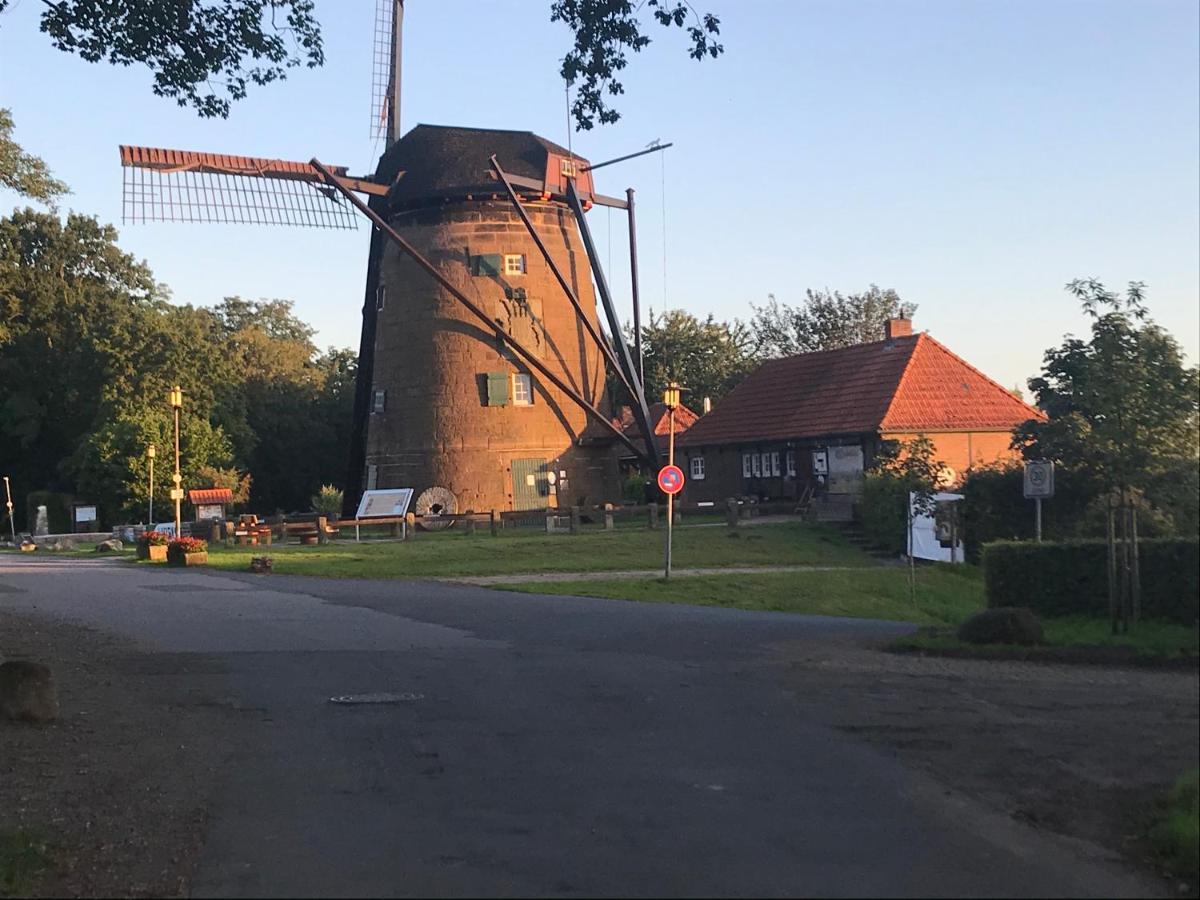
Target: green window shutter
(487, 264)
(497, 388)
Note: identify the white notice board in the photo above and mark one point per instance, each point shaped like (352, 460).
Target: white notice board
(385, 503)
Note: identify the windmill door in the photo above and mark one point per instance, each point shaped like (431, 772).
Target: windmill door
(531, 486)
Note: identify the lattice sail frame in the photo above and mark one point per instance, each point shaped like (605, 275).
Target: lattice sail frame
(184, 186)
(381, 67)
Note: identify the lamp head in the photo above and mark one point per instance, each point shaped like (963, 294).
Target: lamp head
(150, 451)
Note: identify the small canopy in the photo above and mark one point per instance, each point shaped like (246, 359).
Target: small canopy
(210, 496)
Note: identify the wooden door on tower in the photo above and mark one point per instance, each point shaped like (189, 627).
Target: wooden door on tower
(531, 484)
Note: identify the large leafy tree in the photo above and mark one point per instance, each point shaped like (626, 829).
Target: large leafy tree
(23, 172)
(1121, 406)
(707, 357)
(825, 321)
(208, 53)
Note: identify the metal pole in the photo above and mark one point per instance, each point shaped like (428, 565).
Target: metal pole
(12, 524)
(150, 513)
(633, 277)
(670, 497)
(1038, 518)
(178, 479)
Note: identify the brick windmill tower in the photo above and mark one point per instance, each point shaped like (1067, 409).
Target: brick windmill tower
(481, 377)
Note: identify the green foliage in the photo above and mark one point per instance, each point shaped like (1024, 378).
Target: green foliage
(882, 511)
(1071, 577)
(237, 482)
(327, 501)
(899, 469)
(23, 172)
(1176, 836)
(825, 321)
(24, 854)
(1122, 407)
(604, 30)
(707, 357)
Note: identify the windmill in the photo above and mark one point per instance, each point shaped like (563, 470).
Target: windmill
(481, 376)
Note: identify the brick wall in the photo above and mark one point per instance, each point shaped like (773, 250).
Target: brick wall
(432, 358)
(962, 450)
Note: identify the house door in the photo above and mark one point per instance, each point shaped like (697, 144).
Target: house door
(531, 487)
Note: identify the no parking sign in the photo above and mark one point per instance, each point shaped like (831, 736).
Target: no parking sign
(670, 479)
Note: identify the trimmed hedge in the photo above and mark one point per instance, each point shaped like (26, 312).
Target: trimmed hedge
(1071, 577)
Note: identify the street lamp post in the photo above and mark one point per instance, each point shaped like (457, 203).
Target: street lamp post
(177, 491)
(150, 515)
(670, 401)
(12, 524)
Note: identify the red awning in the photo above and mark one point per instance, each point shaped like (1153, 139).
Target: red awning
(210, 496)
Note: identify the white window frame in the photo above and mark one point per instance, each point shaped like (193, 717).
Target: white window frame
(774, 463)
(746, 465)
(696, 467)
(514, 264)
(790, 463)
(756, 465)
(522, 389)
(378, 401)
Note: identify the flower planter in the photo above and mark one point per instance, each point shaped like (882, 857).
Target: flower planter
(188, 559)
(152, 552)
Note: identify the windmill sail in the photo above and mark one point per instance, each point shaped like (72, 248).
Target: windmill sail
(185, 186)
(385, 71)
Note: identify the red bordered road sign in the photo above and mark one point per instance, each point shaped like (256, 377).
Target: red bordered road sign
(670, 479)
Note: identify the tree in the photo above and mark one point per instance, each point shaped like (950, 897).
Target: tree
(604, 30)
(23, 172)
(916, 474)
(707, 357)
(207, 53)
(825, 321)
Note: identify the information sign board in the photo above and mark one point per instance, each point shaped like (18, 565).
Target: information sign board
(384, 503)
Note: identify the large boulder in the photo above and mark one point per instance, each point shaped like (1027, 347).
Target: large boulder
(27, 692)
(111, 546)
(1003, 625)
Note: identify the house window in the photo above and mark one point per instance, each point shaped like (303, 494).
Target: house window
(697, 467)
(567, 167)
(514, 263)
(746, 465)
(756, 464)
(791, 463)
(522, 393)
(378, 401)
(775, 463)
(380, 297)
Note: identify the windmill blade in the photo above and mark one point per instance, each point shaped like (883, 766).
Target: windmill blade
(385, 74)
(185, 186)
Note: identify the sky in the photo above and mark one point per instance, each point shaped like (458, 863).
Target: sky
(974, 156)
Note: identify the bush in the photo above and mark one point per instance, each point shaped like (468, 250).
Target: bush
(1008, 625)
(328, 501)
(1071, 577)
(883, 511)
(186, 545)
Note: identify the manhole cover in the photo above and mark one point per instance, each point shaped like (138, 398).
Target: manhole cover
(355, 699)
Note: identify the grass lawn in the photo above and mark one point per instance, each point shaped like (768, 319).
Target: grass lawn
(1176, 837)
(1149, 640)
(514, 552)
(945, 594)
(23, 855)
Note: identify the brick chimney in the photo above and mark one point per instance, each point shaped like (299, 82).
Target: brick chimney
(899, 327)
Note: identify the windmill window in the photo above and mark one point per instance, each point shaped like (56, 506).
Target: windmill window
(697, 467)
(514, 263)
(486, 264)
(746, 465)
(567, 167)
(378, 401)
(522, 394)
(380, 297)
(497, 389)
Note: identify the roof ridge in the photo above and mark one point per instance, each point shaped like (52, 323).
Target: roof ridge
(1037, 412)
(903, 376)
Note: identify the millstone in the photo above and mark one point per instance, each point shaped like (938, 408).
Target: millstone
(432, 503)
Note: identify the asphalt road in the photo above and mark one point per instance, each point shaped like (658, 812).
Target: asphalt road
(541, 746)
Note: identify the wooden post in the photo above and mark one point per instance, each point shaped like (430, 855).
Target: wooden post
(267, 534)
(608, 517)
(494, 523)
(394, 529)
(653, 516)
(322, 524)
(410, 526)
(731, 512)
(469, 524)
(576, 520)
(214, 533)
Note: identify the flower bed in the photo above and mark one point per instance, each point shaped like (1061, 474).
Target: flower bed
(187, 551)
(152, 545)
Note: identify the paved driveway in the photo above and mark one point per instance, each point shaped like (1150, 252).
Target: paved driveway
(541, 745)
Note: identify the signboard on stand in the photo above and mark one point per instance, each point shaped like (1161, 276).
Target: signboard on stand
(384, 504)
(1039, 486)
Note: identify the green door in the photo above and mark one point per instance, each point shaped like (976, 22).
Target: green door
(531, 487)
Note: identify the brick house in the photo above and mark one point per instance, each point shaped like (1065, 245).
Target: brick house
(817, 420)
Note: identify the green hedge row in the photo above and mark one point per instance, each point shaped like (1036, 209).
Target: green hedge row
(1071, 577)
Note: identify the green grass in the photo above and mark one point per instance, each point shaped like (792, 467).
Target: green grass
(24, 853)
(516, 552)
(945, 594)
(1176, 836)
(1149, 639)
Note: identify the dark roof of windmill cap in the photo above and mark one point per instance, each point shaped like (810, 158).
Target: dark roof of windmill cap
(444, 162)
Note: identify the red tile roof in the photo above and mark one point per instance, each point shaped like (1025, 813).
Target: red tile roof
(908, 384)
(210, 495)
(659, 421)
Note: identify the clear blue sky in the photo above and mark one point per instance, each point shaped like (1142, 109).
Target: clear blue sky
(973, 155)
